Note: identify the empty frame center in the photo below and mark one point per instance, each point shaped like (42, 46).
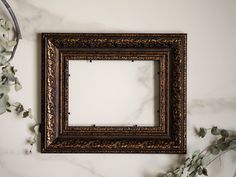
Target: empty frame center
(113, 93)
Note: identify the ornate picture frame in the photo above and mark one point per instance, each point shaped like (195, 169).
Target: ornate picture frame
(169, 136)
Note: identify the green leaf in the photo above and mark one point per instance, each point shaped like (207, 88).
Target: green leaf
(187, 162)
(177, 172)
(3, 103)
(195, 156)
(224, 133)
(30, 113)
(9, 72)
(4, 80)
(199, 162)
(221, 140)
(19, 108)
(8, 104)
(5, 89)
(8, 25)
(215, 131)
(232, 145)
(223, 146)
(200, 170)
(5, 25)
(202, 133)
(8, 110)
(214, 150)
(3, 59)
(6, 53)
(2, 22)
(192, 168)
(18, 86)
(25, 114)
(196, 153)
(11, 43)
(169, 174)
(204, 171)
(36, 129)
(193, 174)
(205, 160)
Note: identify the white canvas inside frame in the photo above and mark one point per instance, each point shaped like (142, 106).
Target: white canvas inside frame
(113, 93)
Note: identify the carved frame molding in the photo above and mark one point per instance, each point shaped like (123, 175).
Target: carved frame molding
(167, 137)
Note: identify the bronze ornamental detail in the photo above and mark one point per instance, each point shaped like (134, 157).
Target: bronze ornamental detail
(169, 136)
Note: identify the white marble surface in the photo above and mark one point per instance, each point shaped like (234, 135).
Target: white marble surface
(113, 93)
(211, 27)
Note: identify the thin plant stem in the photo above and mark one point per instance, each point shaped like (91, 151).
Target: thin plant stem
(218, 157)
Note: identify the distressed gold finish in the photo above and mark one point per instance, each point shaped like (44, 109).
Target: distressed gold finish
(167, 137)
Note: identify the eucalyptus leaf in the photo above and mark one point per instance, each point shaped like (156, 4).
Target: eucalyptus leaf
(30, 113)
(25, 114)
(3, 59)
(8, 104)
(177, 172)
(187, 162)
(36, 129)
(18, 86)
(6, 53)
(200, 170)
(4, 89)
(195, 156)
(7, 26)
(195, 153)
(199, 162)
(204, 171)
(16, 104)
(221, 140)
(224, 133)
(3, 103)
(224, 146)
(214, 150)
(19, 108)
(205, 160)
(192, 168)
(3, 43)
(11, 43)
(193, 174)
(8, 110)
(215, 131)
(169, 174)
(2, 21)
(232, 145)
(202, 133)
(9, 72)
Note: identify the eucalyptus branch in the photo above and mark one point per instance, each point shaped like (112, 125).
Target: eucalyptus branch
(33, 141)
(197, 164)
(17, 29)
(8, 75)
(217, 157)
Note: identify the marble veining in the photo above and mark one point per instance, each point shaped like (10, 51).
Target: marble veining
(147, 77)
(113, 93)
(212, 105)
(33, 19)
(211, 27)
